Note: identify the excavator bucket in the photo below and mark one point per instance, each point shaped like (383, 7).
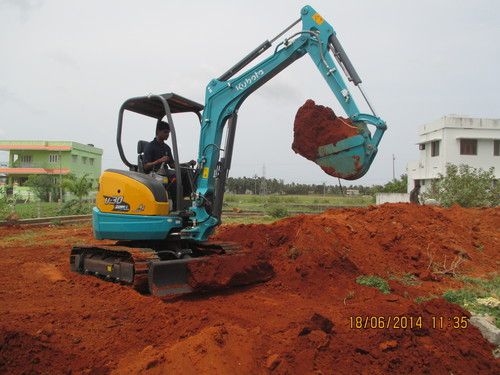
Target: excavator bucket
(349, 158)
(342, 147)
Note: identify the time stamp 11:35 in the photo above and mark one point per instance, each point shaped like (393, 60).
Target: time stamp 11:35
(408, 322)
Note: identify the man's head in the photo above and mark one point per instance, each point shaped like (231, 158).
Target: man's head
(162, 130)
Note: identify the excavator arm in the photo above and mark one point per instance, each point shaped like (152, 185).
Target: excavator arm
(351, 157)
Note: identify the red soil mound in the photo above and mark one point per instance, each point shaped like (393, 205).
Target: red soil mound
(315, 126)
(301, 321)
(217, 273)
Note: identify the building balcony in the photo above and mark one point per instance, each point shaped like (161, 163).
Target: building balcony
(33, 168)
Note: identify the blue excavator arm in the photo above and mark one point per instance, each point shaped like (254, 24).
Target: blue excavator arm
(350, 158)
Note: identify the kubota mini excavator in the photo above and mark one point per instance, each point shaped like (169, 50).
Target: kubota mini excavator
(155, 244)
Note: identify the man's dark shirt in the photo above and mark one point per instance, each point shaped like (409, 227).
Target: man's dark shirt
(156, 150)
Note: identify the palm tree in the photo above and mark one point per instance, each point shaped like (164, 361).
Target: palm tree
(80, 187)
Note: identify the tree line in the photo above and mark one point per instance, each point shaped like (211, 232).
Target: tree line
(261, 185)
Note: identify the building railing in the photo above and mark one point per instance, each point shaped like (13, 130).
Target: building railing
(18, 164)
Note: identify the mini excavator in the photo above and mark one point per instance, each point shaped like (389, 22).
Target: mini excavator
(157, 241)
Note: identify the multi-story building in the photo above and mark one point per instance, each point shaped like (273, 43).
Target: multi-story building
(53, 158)
(456, 140)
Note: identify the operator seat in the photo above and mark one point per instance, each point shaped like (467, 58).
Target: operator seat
(141, 146)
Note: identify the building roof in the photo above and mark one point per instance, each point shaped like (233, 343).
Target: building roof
(35, 147)
(48, 146)
(460, 122)
(34, 171)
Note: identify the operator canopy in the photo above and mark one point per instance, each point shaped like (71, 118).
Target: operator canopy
(151, 106)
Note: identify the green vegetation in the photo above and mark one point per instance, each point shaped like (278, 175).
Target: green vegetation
(79, 187)
(475, 289)
(242, 185)
(302, 203)
(422, 299)
(375, 282)
(396, 186)
(28, 237)
(42, 209)
(465, 186)
(277, 211)
(407, 279)
(43, 187)
(261, 219)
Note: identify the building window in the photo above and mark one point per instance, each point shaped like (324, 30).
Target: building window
(468, 147)
(84, 159)
(496, 147)
(53, 158)
(422, 182)
(421, 146)
(74, 158)
(435, 148)
(91, 161)
(25, 158)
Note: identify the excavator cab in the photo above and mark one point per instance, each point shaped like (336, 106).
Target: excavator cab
(159, 107)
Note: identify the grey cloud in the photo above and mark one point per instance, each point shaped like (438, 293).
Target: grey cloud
(7, 97)
(63, 58)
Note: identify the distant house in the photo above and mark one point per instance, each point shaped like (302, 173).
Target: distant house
(54, 158)
(456, 140)
(352, 192)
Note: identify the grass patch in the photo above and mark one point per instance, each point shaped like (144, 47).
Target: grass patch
(422, 299)
(277, 211)
(304, 203)
(375, 282)
(407, 279)
(24, 238)
(476, 288)
(47, 209)
(248, 220)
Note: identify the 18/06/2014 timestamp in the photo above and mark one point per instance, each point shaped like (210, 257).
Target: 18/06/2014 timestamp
(408, 322)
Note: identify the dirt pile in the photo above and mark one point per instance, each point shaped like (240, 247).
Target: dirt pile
(228, 271)
(312, 317)
(315, 126)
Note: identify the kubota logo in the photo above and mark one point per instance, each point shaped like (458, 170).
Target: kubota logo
(248, 81)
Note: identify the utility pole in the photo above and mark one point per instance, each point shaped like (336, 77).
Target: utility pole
(263, 182)
(60, 179)
(341, 190)
(393, 168)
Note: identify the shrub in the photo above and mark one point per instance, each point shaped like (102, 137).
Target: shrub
(465, 186)
(277, 211)
(375, 282)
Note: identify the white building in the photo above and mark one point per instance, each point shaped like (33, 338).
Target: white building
(456, 140)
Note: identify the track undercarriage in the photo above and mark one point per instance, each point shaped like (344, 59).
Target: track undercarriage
(169, 267)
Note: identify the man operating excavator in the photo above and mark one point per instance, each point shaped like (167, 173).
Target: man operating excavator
(157, 151)
(158, 155)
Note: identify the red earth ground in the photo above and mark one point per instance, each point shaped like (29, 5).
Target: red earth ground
(302, 321)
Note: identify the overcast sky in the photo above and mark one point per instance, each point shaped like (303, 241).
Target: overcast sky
(66, 67)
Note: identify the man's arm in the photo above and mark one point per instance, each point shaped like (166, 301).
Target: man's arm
(149, 163)
(170, 160)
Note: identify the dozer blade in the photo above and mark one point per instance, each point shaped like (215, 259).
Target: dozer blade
(169, 277)
(206, 274)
